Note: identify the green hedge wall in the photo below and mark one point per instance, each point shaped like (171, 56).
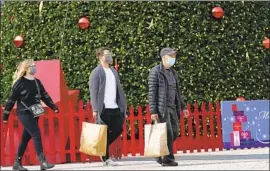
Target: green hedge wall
(219, 59)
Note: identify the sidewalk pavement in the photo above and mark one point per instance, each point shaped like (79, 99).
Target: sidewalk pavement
(246, 159)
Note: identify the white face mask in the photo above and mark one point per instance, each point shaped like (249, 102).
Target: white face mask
(170, 61)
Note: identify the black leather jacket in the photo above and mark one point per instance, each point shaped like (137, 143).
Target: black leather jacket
(158, 91)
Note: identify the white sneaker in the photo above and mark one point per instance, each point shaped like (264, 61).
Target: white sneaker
(110, 162)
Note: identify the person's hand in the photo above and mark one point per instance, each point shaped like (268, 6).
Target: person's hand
(5, 122)
(95, 115)
(154, 117)
(56, 111)
(186, 113)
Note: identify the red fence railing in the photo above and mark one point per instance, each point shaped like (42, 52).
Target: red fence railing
(61, 134)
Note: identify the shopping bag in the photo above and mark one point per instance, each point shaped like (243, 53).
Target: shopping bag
(155, 138)
(93, 139)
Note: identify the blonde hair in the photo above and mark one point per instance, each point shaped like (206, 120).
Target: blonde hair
(21, 69)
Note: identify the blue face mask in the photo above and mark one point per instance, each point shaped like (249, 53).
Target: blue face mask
(170, 61)
(33, 70)
(109, 59)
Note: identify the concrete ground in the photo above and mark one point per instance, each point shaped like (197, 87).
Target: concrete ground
(246, 159)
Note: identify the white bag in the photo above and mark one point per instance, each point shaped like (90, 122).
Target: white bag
(155, 140)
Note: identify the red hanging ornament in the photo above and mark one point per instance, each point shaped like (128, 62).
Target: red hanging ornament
(18, 41)
(240, 99)
(266, 43)
(116, 66)
(217, 12)
(119, 4)
(84, 23)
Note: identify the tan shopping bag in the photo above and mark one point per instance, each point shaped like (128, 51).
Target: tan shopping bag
(155, 140)
(93, 139)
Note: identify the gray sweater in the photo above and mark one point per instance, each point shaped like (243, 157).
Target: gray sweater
(97, 83)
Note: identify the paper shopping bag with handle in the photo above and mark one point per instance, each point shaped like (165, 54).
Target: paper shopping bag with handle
(155, 140)
(93, 139)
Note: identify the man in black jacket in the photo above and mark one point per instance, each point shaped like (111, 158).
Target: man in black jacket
(165, 100)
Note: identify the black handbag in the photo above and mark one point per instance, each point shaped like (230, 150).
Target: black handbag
(35, 109)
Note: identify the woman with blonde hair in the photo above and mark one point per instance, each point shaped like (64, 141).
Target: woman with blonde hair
(28, 91)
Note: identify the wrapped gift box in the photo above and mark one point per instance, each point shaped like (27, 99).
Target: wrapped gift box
(245, 135)
(237, 126)
(235, 138)
(241, 119)
(238, 113)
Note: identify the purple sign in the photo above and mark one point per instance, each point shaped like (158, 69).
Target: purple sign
(245, 124)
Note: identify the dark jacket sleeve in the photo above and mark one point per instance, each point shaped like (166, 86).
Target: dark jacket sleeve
(94, 87)
(182, 102)
(13, 97)
(181, 98)
(46, 98)
(153, 91)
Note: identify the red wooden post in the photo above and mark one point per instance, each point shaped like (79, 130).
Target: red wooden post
(81, 113)
(124, 138)
(88, 116)
(219, 127)
(3, 137)
(148, 115)
(212, 127)
(62, 144)
(183, 137)
(190, 136)
(51, 135)
(141, 137)
(10, 133)
(132, 131)
(198, 137)
(205, 136)
(71, 116)
(119, 146)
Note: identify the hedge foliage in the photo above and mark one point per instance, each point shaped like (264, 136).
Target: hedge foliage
(218, 60)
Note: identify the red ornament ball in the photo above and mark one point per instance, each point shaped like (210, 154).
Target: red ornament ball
(84, 23)
(217, 12)
(240, 99)
(266, 43)
(18, 41)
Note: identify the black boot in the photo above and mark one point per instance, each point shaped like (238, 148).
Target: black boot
(158, 160)
(43, 163)
(18, 164)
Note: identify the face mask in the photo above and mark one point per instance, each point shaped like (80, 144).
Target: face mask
(108, 59)
(33, 70)
(170, 61)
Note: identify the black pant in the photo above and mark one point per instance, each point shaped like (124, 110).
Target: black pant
(171, 118)
(31, 129)
(114, 119)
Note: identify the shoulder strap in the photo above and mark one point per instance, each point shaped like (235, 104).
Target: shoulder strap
(38, 89)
